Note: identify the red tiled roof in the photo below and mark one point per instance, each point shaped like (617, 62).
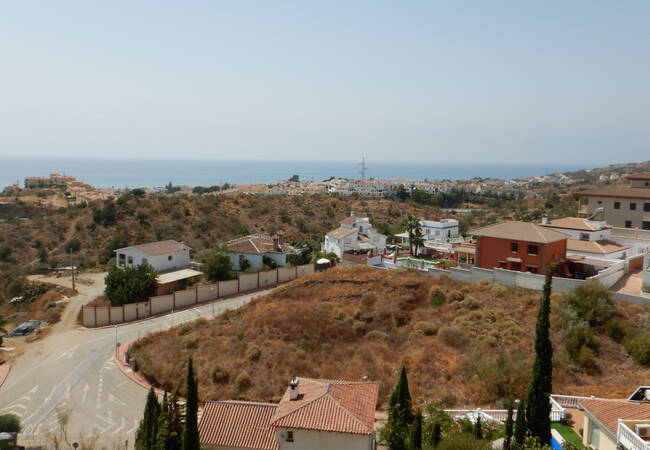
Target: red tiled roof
(350, 220)
(256, 244)
(329, 405)
(520, 231)
(573, 223)
(609, 411)
(617, 192)
(238, 424)
(639, 176)
(603, 247)
(159, 248)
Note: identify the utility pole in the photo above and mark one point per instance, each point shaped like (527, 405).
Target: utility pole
(72, 268)
(363, 168)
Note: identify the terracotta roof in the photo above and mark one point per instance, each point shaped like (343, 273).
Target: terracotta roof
(520, 231)
(341, 232)
(329, 405)
(257, 244)
(574, 223)
(618, 192)
(238, 424)
(602, 247)
(159, 248)
(350, 220)
(639, 176)
(609, 411)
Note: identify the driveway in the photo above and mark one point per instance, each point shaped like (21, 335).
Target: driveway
(631, 283)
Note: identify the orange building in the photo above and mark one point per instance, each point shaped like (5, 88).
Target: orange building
(520, 246)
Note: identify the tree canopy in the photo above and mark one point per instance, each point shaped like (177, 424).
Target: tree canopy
(130, 285)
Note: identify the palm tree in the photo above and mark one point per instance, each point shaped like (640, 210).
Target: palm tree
(412, 225)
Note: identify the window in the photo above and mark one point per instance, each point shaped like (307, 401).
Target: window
(645, 225)
(617, 205)
(628, 224)
(121, 260)
(600, 202)
(289, 436)
(533, 250)
(145, 261)
(531, 269)
(632, 206)
(169, 258)
(514, 247)
(594, 437)
(584, 236)
(502, 264)
(646, 207)
(130, 259)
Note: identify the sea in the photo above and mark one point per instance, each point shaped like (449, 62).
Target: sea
(152, 173)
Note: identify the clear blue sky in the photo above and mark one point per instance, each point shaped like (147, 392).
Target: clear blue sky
(483, 81)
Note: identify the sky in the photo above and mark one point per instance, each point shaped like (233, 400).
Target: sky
(463, 82)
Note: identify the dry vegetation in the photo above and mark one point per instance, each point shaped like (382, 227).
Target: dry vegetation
(463, 344)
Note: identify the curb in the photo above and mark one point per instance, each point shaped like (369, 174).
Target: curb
(128, 372)
(4, 372)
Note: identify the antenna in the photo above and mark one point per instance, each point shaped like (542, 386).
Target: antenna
(363, 168)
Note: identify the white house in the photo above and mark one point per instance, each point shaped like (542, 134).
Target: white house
(163, 256)
(312, 415)
(355, 233)
(256, 248)
(442, 231)
(588, 238)
(646, 269)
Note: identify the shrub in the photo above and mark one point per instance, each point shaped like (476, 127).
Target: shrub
(425, 328)
(454, 337)
(470, 303)
(577, 337)
(590, 302)
(638, 346)
(219, 373)
(191, 341)
(463, 441)
(615, 329)
(217, 267)
(10, 423)
(444, 279)
(376, 335)
(243, 380)
(587, 359)
(185, 329)
(437, 296)
(455, 296)
(253, 353)
(483, 285)
(368, 301)
(498, 290)
(130, 285)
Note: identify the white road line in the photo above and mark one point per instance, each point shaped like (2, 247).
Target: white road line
(85, 393)
(135, 426)
(123, 424)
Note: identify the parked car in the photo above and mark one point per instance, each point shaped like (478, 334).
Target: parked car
(26, 328)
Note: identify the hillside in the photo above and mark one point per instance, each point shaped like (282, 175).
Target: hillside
(464, 344)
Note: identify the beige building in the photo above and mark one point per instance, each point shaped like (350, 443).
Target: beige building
(613, 424)
(620, 206)
(312, 415)
(37, 182)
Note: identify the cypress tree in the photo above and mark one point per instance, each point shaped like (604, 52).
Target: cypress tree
(400, 415)
(520, 426)
(539, 390)
(437, 434)
(508, 427)
(191, 429)
(415, 435)
(145, 437)
(478, 430)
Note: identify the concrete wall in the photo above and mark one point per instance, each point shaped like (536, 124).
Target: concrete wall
(161, 263)
(268, 278)
(185, 298)
(104, 315)
(323, 440)
(162, 303)
(247, 282)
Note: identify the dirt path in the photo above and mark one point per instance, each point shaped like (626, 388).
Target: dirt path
(68, 236)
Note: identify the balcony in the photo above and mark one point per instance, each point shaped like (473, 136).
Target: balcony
(629, 439)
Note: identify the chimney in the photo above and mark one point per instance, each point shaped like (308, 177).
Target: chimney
(544, 219)
(293, 389)
(276, 242)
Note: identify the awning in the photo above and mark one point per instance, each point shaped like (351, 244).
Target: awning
(513, 259)
(177, 275)
(323, 261)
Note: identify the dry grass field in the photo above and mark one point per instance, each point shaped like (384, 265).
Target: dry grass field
(463, 344)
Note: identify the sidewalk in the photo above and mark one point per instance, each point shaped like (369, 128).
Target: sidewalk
(4, 372)
(126, 369)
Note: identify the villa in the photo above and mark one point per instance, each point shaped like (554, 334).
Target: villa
(354, 234)
(257, 250)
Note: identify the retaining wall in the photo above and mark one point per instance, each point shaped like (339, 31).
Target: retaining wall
(97, 316)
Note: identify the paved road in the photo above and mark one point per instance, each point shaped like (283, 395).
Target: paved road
(74, 370)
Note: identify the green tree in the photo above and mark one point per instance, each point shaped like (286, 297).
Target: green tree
(508, 427)
(539, 390)
(415, 434)
(217, 267)
(521, 427)
(191, 429)
(130, 285)
(9, 423)
(5, 252)
(436, 436)
(411, 224)
(170, 429)
(400, 415)
(73, 245)
(145, 436)
(478, 429)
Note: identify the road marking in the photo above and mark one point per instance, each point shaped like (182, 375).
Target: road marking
(85, 393)
(135, 426)
(122, 383)
(123, 424)
(114, 399)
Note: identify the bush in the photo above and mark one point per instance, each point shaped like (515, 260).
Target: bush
(9, 423)
(217, 267)
(130, 285)
(243, 380)
(498, 290)
(444, 279)
(590, 302)
(615, 329)
(73, 245)
(463, 441)
(376, 335)
(184, 329)
(437, 296)
(191, 341)
(220, 373)
(483, 285)
(577, 337)
(455, 296)
(425, 328)
(454, 337)
(638, 346)
(587, 359)
(253, 353)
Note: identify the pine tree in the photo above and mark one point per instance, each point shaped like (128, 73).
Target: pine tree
(415, 435)
(191, 429)
(400, 415)
(508, 427)
(521, 428)
(478, 430)
(145, 437)
(437, 434)
(538, 412)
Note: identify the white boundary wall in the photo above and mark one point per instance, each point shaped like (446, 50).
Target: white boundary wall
(97, 316)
